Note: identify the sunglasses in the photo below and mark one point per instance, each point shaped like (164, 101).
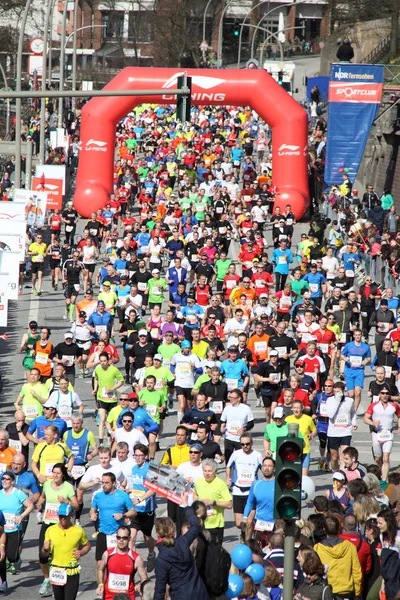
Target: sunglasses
(246, 444)
(328, 385)
(385, 394)
(122, 537)
(193, 452)
(127, 421)
(6, 479)
(299, 366)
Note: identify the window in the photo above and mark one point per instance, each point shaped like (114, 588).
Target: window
(141, 26)
(114, 24)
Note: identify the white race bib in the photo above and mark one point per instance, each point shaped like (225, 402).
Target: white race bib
(42, 358)
(282, 260)
(384, 436)
(217, 406)
(356, 361)
(49, 469)
(78, 471)
(16, 444)
(51, 512)
(245, 477)
(69, 360)
(118, 583)
(111, 540)
(282, 350)
(231, 383)
(151, 409)
(10, 522)
(349, 273)
(260, 346)
(388, 371)
(314, 287)
(58, 576)
(233, 427)
(100, 328)
(342, 421)
(263, 525)
(324, 348)
(323, 409)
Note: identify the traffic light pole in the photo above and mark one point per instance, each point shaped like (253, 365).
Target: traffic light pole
(288, 560)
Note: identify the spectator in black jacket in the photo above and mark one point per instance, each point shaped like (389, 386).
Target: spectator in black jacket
(345, 51)
(370, 199)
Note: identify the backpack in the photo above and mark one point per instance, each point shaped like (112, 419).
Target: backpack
(218, 564)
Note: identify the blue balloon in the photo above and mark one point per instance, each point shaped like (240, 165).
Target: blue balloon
(235, 586)
(242, 556)
(256, 572)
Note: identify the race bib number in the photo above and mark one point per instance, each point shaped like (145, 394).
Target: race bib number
(217, 406)
(263, 525)
(151, 409)
(349, 273)
(245, 477)
(31, 411)
(275, 377)
(111, 540)
(69, 228)
(282, 260)
(282, 350)
(77, 287)
(107, 394)
(154, 332)
(39, 258)
(16, 444)
(232, 383)
(78, 471)
(49, 469)
(10, 524)
(306, 336)
(210, 511)
(260, 346)
(69, 360)
(356, 361)
(58, 576)
(155, 291)
(100, 328)
(342, 421)
(388, 371)
(118, 583)
(184, 370)
(323, 409)
(65, 412)
(343, 338)
(142, 286)
(233, 427)
(324, 348)
(384, 436)
(42, 358)
(51, 512)
(384, 327)
(314, 287)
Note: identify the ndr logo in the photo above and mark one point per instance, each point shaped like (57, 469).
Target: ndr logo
(201, 81)
(96, 146)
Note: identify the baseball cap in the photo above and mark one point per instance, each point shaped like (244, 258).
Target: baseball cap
(155, 271)
(233, 349)
(142, 332)
(263, 296)
(68, 334)
(64, 510)
(50, 404)
(82, 313)
(158, 357)
(339, 476)
(278, 413)
(306, 295)
(384, 302)
(106, 284)
(89, 291)
(299, 363)
(124, 277)
(106, 259)
(133, 396)
(33, 324)
(186, 344)
(209, 363)
(274, 353)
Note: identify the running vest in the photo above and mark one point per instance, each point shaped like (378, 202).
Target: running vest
(120, 573)
(78, 446)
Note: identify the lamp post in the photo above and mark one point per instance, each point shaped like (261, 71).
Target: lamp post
(271, 34)
(220, 31)
(17, 173)
(268, 38)
(74, 52)
(7, 101)
(62, 60)
(257, 26)
(244, 23)
(204, 18)
(44, 77)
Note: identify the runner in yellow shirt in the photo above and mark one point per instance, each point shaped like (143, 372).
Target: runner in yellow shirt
(37, 252)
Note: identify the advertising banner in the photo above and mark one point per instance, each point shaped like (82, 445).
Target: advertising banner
(15, 211)
(3, 299)
(9, 264)
(48, 172)
(34, 209)
(52, 188)
(355, 92)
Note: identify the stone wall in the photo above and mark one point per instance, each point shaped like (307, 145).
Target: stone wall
(365, 37)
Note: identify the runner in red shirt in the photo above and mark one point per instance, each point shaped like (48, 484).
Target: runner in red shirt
(231, 280)
(203, 292)
(262, 281)
(54, 223)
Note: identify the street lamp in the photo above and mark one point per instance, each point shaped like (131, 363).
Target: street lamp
(255, 33)
(266, 15)
(204, 19)
(7, 100)
(271, 34)
(44, 76)
(220, 31)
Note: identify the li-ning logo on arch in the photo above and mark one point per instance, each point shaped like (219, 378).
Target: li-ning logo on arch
(201, 81)
(96, 146)
(287, 150)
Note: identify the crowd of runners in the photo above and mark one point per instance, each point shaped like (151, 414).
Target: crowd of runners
(191, 297)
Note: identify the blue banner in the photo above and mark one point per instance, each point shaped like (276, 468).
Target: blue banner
(355, 93)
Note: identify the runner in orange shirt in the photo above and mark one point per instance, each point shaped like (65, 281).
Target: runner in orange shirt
(245, 289)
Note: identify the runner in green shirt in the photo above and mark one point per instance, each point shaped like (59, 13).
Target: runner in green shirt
(152, 400)
(107, 379)
(222, 266)
(156, 288)
(277, 428)
(162, 374)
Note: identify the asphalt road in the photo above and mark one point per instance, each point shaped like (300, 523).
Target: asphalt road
(48, 310)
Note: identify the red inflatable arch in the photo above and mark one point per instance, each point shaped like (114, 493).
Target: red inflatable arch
(255, 88)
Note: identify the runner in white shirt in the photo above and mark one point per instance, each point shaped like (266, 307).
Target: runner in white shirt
(236, 418)
(235, 326)
(379, 416)
(192, 470)
(124, 462)
(127, 433)
(342, 422)
(65, 401)
(92, 478)
(185, 365)
(330, 264)
(241, 471)
(89, 254)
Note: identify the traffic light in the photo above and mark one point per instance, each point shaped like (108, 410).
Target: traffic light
(287, 500)
(236, 30)
(280, 77)
(183, 102)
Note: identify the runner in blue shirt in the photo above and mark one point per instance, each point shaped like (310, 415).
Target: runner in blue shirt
(281, 257)
(261, 497)
(109, 507)
(356, 355)
(39, 424)
(234, 370)
(317, 283)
